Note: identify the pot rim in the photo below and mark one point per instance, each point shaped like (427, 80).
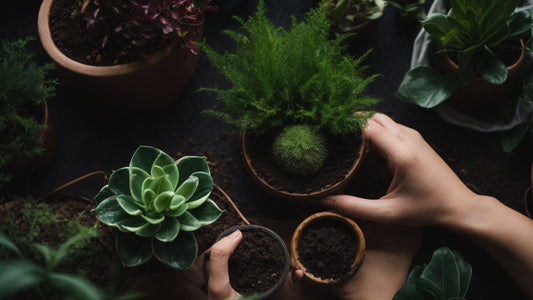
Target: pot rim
(300, 196)
(361, 244)
(286, 255)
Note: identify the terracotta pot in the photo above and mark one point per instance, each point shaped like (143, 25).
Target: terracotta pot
(286, 258)
(268, 188)
(140, 86)
(358, 234)
(485, 101)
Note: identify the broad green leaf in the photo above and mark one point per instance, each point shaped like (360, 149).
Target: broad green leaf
(520, 23)
(119, 181)
(188, 187)
(467, 67)
(158, 185)
(128, 205)
(162, 201)
(8, 244)
(429, 289)
(133, 223)
(148, 230)
(426, 87)
(17, 276)
(443, 272)
(190, 164)
(149, 197)
(155, 219)
(48, 255)
(133, 250)
(205, 186)
(492, 69)
(103, 194)
(176, 212)
(512, 137)
(168, 166)
(437, 26)
(408, 292)
(77, 287)
(157, 171)
(179, 254)
(465, 273)
(169, 230)
(110, 212)
(207, 213)
(137, 177)
(177, 201)
(189, 222)
(415, 274)
(144, 158)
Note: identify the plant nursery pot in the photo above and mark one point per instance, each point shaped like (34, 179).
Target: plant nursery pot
(349, 152)
(328, 247)
(141, 86)
(485, 101)
(260, 264)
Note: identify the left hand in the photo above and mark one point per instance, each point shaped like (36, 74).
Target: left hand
(218, 286)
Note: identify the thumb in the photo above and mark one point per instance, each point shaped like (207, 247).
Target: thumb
(219, 284)
(377, 210)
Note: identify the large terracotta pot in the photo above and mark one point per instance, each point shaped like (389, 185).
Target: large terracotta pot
(485, 101)
(140, 86)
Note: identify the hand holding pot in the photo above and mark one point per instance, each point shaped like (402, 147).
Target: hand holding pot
(219, 287)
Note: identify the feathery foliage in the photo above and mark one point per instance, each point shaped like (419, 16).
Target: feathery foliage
(299, 76)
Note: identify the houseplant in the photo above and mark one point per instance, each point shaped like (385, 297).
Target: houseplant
(351, 16)
(412, 10)
(26, 137)
(477, 66)
(260, 264)
(137, 55)
(156, 204)
(447, 276)
(295, 80)
(328, 247)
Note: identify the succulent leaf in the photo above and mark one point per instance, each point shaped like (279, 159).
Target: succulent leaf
(137, 177)
(109, 212)
(153, 219)
(169, 230)
(189, 222)
(144, 158)
(177, 201)
(207, 213)
(203, 190)
(177, 212)
(133, 250)
(148, 197)
(128, 205)
(132, 223)
(188, 187)
(148, 230)
(103, 194)
(158, 185)
(167, 166)
(180, 253)
(162, 201)
(187, 165)
(119, 181)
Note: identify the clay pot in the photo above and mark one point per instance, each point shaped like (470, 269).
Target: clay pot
(314, 195)
(336, 219)
(140, 86)
(284, 263)
(485, 101)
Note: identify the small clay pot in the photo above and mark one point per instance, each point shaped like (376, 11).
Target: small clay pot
(485, 101)
(311, 222)
(319, 193)
(246, 269)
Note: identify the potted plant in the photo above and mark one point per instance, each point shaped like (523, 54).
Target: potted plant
(156, 204)
(26, 135)
(447, 276)
(260, 264)
(410, 10)
(477, 66)
(355, 16)
(328, 247)
(294, 94)
(123, 56)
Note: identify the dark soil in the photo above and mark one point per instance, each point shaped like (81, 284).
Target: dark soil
(327, 248)
(257, 264)
(343, 151)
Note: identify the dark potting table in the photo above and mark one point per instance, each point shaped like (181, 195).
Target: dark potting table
(88, 143)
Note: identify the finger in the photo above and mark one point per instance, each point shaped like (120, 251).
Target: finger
(378, 210)
(387, 123)
(391, 147)
(219, 284)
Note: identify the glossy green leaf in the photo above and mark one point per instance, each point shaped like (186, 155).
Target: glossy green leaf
(176, 212)
(128, 205)
(415, 274)
(520, 23)
(133, 250)
(77, 287)
(465, 273)
(429, 289)
(169, 230)
(133, 223)
(188, 187)
(144, 158)
(148, 230)
(149, 198)
(179, 254)
(203, 190)
(167, 164)
(153, 219)
(119, 181)
(5, 242)
(511, 138)
(158, 185)
(492, 69)
(426, 87)
(190, 164)
(189, 222)
(177, 201)
(162, 201)
(110, 212)
(103, 194)
(137, 177)
(408, 292)
(17, 276)
(437, 26)
(443, 272)
(207, 213)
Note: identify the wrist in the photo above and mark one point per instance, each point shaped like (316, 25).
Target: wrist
(471, 215)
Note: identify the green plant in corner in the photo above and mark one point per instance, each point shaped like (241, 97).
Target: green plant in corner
(23, 86)
(345, 14)
(157, 203)
(475, 33)
(409, 9)
(446, 277)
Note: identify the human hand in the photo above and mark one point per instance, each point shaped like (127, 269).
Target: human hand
(218, 286)
(423, 191)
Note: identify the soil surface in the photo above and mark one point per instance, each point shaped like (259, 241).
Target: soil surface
(343, 151)
(257, 264)
(327, 248)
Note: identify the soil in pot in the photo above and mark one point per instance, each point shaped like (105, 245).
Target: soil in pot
(259, 263)
(327, 249)
(343, 151)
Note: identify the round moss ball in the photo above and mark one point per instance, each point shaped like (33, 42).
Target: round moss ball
(300, 150)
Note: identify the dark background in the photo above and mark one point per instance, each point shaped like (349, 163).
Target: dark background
(89, 142)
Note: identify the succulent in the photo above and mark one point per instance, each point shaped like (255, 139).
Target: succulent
(345, 14)
(300, 150)
(156, 203)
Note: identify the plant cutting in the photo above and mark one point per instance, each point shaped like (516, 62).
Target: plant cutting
(259, 266)
(156, 204)
(350, 16)
(25, 133)
(328, 247)
(412, 10)
(477, 66)
(121, 56)
(447, 276)
(294, 94)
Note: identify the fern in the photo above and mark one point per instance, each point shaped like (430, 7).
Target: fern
(299, 76)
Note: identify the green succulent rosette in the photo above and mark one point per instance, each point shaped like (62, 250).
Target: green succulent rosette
(157, 203)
